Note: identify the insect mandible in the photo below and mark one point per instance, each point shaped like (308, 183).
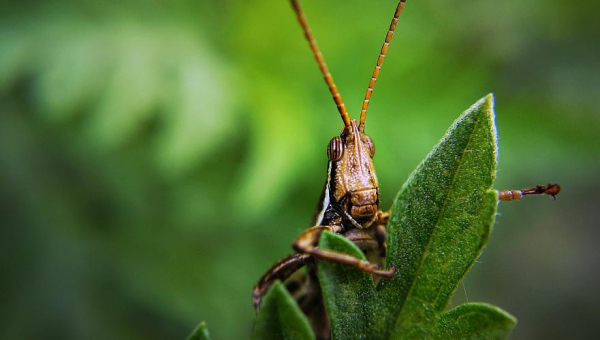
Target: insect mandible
(349, 203)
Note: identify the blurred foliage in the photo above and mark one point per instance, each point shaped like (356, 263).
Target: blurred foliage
(156, 157)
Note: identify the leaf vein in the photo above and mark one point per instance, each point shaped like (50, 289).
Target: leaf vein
(442, 210)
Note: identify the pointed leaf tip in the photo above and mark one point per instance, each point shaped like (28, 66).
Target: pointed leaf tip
(200, 333)
(280, 317)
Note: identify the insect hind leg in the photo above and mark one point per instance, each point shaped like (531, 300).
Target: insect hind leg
(281, 270)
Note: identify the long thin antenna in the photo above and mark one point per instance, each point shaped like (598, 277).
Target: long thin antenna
(328, 78)
(388, 38)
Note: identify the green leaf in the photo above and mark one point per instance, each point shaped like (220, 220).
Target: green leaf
(349, 294)
(440, 222)
(200, 333)
(475, 321)
(280, 317)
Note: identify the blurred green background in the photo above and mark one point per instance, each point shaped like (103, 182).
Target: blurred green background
(156, 157)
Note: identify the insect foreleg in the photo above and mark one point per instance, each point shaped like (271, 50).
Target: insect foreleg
(383, 217)
(307, 243)
(280, 271)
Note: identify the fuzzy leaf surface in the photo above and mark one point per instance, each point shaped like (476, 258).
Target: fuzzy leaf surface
(349, 295)
(440, 222)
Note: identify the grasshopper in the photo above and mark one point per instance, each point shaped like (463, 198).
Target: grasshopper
(349, 203)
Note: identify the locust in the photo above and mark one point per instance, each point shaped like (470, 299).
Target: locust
(349, 203)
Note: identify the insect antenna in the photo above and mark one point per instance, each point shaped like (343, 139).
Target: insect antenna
(322, 66)
(384, 48)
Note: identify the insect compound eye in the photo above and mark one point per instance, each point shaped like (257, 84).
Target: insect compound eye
(370, 145)
(335, 149)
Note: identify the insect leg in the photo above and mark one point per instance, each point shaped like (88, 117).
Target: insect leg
(383, 217)
(514, 195)
(380, 237)
(307, 243)
(280, 271)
